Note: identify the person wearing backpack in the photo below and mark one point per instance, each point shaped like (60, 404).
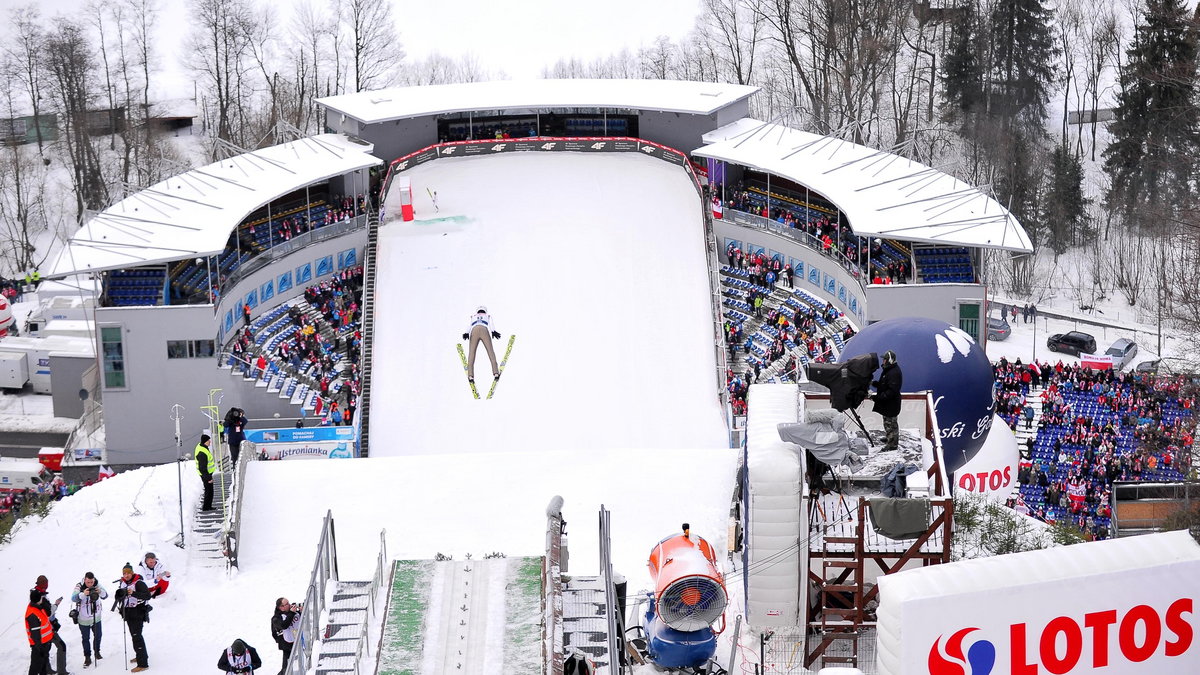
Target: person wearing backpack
(87, 614)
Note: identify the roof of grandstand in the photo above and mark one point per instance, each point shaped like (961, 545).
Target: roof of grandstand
(193, 213)
(881, 193)
(697, 98)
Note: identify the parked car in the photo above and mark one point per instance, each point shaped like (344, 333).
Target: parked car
(998, 329)
(1122, 352)
(1166, 366)
(1074, 342)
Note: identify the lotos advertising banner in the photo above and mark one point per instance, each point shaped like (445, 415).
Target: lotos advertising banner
(1117, 607)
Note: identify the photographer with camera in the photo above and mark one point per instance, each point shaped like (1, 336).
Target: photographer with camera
(132, 597)
(87, 614)
(239, 658)
(285, 623)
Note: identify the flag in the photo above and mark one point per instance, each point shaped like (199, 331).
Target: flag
(106, 472)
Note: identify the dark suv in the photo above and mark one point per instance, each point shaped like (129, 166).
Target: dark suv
(1074, 342)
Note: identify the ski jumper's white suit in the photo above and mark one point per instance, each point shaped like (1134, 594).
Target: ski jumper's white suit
(481, 331)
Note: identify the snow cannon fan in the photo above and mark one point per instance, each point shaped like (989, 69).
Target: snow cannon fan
(689, 595)
(6, 316)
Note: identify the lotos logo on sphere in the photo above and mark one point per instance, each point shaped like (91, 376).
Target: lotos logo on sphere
(979, 659)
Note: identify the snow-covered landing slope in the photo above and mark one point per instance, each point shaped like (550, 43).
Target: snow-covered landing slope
(595, 261)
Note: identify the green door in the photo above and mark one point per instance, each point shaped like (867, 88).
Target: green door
(968, 318)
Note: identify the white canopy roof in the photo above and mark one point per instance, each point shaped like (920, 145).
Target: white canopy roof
(882, 194)
(193, 213)
(699, 98)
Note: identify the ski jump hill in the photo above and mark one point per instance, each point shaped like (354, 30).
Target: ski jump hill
(595, 262)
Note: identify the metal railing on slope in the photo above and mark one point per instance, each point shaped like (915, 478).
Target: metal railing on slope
(324, 569)
(368, 334)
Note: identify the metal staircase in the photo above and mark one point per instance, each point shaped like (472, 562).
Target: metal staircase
(207, 526)
(368, 333)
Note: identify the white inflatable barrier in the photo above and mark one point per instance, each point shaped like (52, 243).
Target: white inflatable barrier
(1118, 607)
(778, 550)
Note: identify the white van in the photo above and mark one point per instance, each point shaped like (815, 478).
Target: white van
(21, 474)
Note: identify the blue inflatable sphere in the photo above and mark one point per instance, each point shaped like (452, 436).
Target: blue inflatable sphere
(935, 356)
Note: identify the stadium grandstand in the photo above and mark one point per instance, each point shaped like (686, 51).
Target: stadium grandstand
(305, 283)
(246, 236)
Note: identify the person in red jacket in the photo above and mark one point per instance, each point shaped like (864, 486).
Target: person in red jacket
(40, 633)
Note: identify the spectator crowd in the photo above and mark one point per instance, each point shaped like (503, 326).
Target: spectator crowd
(1096, 427)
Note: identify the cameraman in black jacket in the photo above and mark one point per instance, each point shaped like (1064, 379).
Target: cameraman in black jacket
(887, 399)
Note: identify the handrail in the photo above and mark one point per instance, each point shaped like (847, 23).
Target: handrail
(363, 646)
(553, 565)
(231, 529)
(288, 247)
(324, 569)
(800, 237)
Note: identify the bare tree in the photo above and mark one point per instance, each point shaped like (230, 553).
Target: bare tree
(220, 49)
(26, 50)
(375, 52)
(738, 29)
(71, 75)
(22, 188)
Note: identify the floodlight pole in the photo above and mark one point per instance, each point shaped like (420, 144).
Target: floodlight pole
(177, 416)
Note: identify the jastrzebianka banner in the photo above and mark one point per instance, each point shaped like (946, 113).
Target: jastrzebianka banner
(1118, 607)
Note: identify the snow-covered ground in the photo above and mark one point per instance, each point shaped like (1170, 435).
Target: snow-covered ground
(555, 427)
(599, 271)
(451, 504)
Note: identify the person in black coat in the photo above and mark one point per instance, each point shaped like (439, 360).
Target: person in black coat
(132, 597)
(235, 430)
(285, 623)
(887, 399)
(239, 658)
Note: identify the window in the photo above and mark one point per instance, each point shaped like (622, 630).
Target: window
(203, 349)
(191, 349)
(113, 349)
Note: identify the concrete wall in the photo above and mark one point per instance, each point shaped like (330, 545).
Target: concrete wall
(66, 379)
(399, 137)
(935, 301)
(137, 419)
(677, 130)
(733, 112)
(847, 294)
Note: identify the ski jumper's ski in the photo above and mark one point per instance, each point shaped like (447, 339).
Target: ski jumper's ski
(507, 351)
(462, 354)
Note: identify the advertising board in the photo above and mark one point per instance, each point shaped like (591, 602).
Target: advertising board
(1120, 607)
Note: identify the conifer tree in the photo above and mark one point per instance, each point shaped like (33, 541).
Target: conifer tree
(1152, 158)
(1064, 207)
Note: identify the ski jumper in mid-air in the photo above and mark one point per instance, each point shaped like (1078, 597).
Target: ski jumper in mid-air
(481, 330)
